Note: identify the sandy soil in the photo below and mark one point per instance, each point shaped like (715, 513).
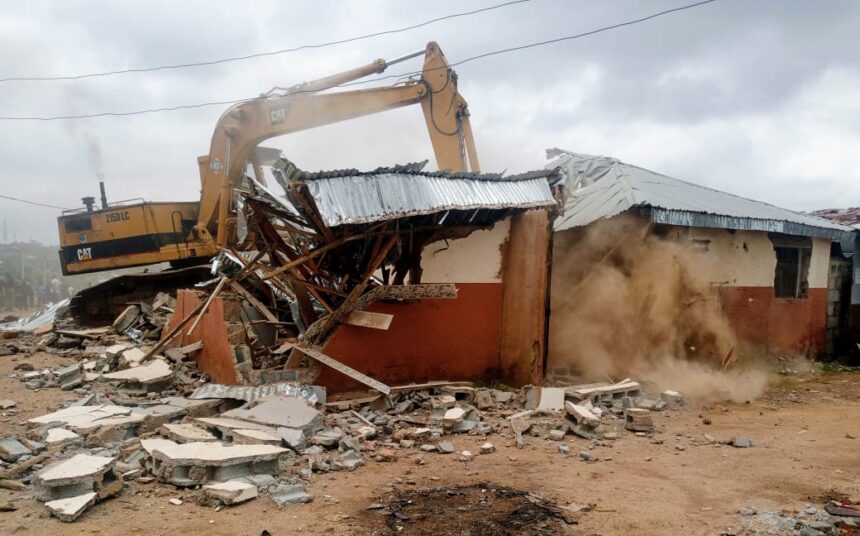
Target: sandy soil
(801, 428)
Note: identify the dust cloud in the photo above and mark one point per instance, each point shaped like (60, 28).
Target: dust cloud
(626, 302)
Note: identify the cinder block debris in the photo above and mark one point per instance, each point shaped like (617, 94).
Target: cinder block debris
(196, 463)
(78, 475)
(581, 420)
(71, 508)
(638, 420)
(231, 492)
(605, 394)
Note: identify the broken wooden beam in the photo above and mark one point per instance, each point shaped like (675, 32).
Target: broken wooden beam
(344, 369)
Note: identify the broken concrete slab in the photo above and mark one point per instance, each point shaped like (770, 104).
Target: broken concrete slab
(185, 433)
(244, 436)
(224, 427)
(131, 357)
(193, 408)
(60, 437)
(80, 415)
(453, 416)
(152, 377)
(196, 463)
(71, 508)
(295, 439)
(11, 449)
(80, 474)
(280, 411)
(231, 492)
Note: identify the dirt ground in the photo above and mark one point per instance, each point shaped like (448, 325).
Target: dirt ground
(803, 429)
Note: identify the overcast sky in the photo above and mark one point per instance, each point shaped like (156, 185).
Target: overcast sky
(756, 98)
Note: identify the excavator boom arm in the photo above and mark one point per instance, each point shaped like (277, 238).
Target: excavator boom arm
(244, 126)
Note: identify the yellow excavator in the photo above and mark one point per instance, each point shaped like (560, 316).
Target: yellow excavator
(187, 234)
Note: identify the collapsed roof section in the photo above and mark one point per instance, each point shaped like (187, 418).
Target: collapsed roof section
(338, 241)
(602, 187)
(352, 197)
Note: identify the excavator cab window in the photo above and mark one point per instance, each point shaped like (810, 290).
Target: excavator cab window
(75, 225)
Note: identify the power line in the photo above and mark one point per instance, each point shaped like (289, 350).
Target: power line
(359, 82)
(31, 202)
(260, 54)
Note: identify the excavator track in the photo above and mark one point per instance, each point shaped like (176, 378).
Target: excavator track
(100, 304)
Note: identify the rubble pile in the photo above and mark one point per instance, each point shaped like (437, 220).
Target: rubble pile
(149, 413)
(139, 420)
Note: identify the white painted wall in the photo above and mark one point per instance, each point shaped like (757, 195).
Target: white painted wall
(476, 258)
(747, 258)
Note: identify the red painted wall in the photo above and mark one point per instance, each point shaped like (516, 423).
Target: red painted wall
(439, 339)
(787, 325)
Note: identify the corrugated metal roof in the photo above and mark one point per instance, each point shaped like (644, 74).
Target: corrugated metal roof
(352, 197)
(602, 187)
(846, 216)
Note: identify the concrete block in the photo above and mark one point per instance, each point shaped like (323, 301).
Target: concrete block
(638, 420)
(231, 492)
(76, 476)
(71, 508)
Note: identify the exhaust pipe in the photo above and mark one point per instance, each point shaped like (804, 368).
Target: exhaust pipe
(104, 197)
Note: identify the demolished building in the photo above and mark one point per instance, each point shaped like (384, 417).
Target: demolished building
(768, 266)
(393, 276)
